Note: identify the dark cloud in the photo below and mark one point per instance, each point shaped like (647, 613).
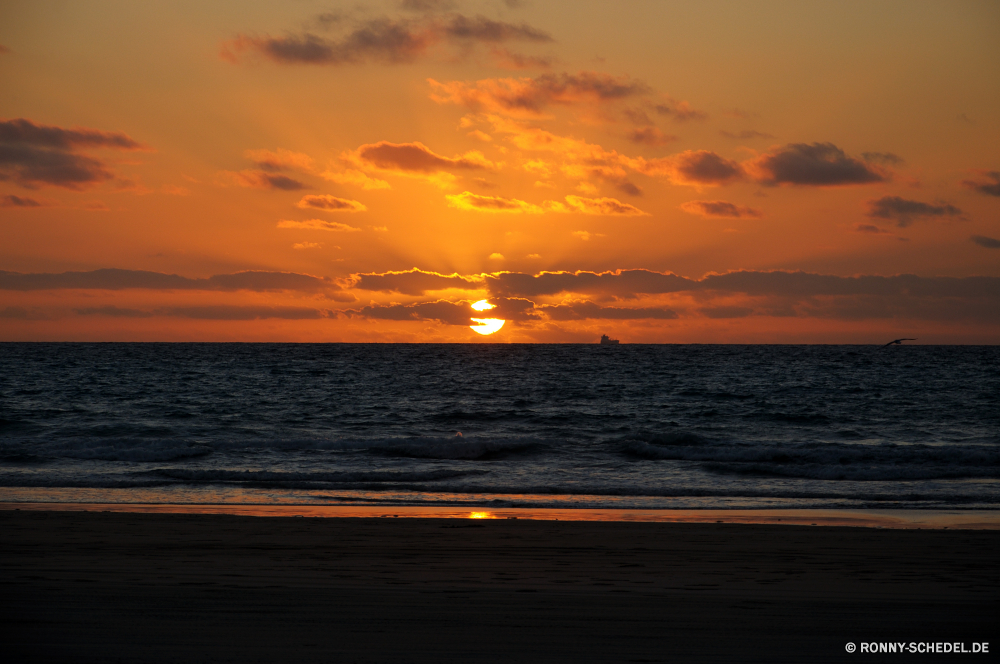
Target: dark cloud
(905, 212)
(17, 313)
(508, 59)
(721, 209)
(33, 155)
(416, 157)
(381, 40)
(680, 111)
(590, 310)
(694, 167)
(413, 282)
(622, 283)
(745, 134)
(265, 180)
(11, 200)
(882, 158)
(816, 164)
(428, 5)
(529, 96)
(650, 136)
(628, 188)
(989, 188)
(988, 242)
(235, 312)
(449, 313)
(115, 279)
(870, 228)
(115, 312)
(330, 204)
(726, 312)
(483, 29)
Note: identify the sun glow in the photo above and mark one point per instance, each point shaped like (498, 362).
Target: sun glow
(487, 325)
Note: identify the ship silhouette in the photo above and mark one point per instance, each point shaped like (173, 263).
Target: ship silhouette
(606, 340)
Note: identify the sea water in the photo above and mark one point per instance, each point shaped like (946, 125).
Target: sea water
(497, 425)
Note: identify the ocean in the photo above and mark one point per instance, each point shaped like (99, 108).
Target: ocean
(497, 425)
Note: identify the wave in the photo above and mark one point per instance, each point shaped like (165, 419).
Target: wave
(821, 461)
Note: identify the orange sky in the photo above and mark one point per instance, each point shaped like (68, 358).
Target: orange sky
(723, 172)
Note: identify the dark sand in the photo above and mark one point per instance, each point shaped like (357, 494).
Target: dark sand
(128, 587)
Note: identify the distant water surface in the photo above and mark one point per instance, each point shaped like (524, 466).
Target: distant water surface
(644, 426)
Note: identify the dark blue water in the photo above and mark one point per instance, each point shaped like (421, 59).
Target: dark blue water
(503, 425)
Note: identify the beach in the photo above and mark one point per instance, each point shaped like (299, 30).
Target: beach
(160, 587)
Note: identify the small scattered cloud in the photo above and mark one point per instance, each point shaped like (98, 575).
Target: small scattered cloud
(33, 155)
(693, 168)
(428, 5)
(416, 159)
(263, 180)
(746, 134)
(280, 160)
(390, 41)
(329, 203)
(307, 245)
(679, 111)
(905, 212)
(174, 190)
(816, 164)
(112, 311)
(507, 59)
(595, 206)
(356, 178)
(475, 202)
(529, 97)
(96, 206)
(480, 135)
(318, 225)
(651, 136)
(991, 185)
(10, 200)
(870, 229)
(987, 242)
(726, 312)
(887, 158)
(495, 256)
(720, 210)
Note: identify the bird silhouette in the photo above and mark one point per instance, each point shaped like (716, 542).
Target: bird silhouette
(898, 342)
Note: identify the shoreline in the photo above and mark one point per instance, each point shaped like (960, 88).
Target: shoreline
(878, 519)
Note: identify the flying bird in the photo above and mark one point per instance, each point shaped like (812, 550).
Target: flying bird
(898, 342)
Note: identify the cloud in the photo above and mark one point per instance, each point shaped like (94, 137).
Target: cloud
(307, 245)
(330, 204)
(116, 279)
(449, 313)
(427, 5)
(280, 160)
(651, 136)
(357, 178)
(905, 212)
(620, 283)
(414, 282)
(989, 188)
(34, 155)
(528, 97)
(115, 312)
(474, 202)
(264, 180)
(4, 50)
(720, 209)
(236, 312)
(870, 228)
(11, 200)
(745, 134)
(816, 164)
(680, 111)
(595, 206)
(882, 158)
(318, 225)
(983, 241)
(590, 310)
(693, 168)
(507, 59)
(726, 312)
(380, 40)
(415, 159)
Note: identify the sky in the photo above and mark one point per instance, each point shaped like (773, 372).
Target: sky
(661, 172)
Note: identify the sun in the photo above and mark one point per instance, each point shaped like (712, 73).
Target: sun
(486, 326)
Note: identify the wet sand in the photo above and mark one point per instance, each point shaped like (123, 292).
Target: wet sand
(132, 587)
